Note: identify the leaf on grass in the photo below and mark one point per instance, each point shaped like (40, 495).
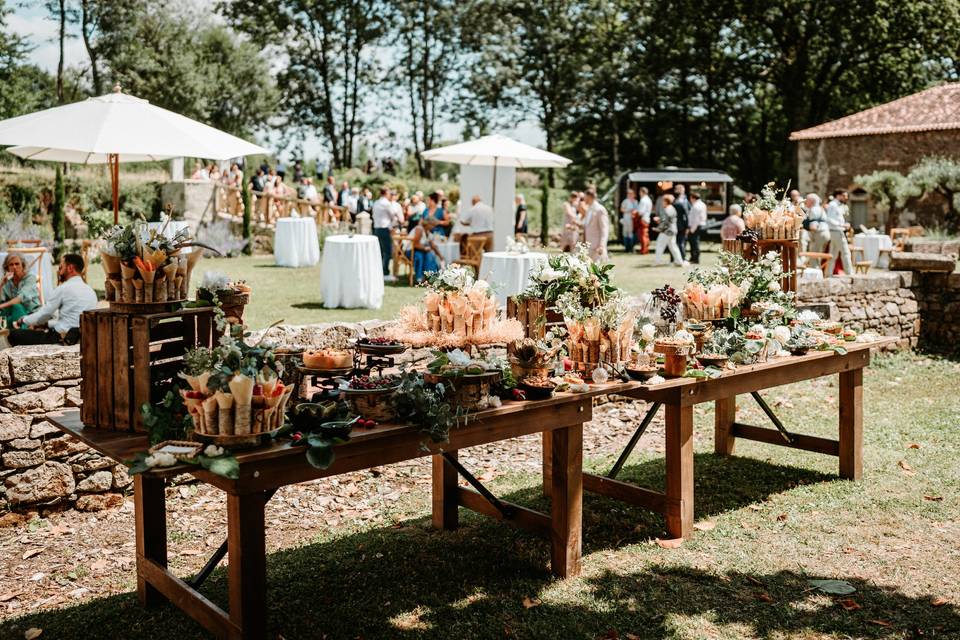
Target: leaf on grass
(32, 633)
(100, 565)
(530, 603)
(882, 623)
(782, 517)
(913, 445)
(906, 468)
(834, 587)
(933, 498)
(8, 596)
(764, 597)
(939, 601)
(29, 553)
(704, 525)
(669, 544)
(849, 604)
(753, 580)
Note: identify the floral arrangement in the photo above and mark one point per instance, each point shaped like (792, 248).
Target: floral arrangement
(143, 265)
(772, 217)
(459, 311)
(597, 334)
(571, 273)
(709, 303)
(750, 282)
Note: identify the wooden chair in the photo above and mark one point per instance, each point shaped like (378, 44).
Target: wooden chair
(15, 244)
(863, 266)
(824, 259)
(856, 253)
(898, 235)
(473, 252)
(400, 259)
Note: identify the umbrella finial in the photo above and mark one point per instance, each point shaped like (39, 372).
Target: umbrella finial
(116, 88)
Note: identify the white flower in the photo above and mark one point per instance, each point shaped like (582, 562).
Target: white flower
(808, 315)
(782, 334)
(655, 380)
(600, 375)
(685, 336)
(774, 286)
(549, 274)
(648, 332)
(458, 358)
(759, 328)
(213, 451)
(494, 401)
(160, 459)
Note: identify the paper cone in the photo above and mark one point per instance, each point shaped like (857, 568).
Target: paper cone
(137, 290)
(160, 288)
(111, 264)
(225, 406)
(242, 389)
(210, 411)
(170, 271)
(127, 272)
(192, 259)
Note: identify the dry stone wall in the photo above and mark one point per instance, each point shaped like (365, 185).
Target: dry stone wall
(40, 468)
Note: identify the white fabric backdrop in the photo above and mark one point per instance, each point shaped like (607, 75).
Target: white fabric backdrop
(509, 272)
(351, 274)
(295, 242)
(478, 180)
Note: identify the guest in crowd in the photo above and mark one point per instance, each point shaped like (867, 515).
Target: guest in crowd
(667, 233)
(795, 198)
(520, 217)
(628, 214)
(343, 200)
(426, 256)
(19, 293)
(596, 226)
(478, 220)
(213, 171)
(384, 219)
(696, 221)
(281, 169)
(199, 172)
(365, 201)
(733, 224)
(330, 192)
(435, 212)
(682, 207)
(642, 223)
(572, 223)
(837, 221)
(817, 225)
(415, 210)
(297, 171)
(58, 321)
(258, 181)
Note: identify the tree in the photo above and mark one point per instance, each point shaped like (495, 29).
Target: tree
(427, 65)
(889, 190)
(59, 200)
(330, 67)
(937, 174)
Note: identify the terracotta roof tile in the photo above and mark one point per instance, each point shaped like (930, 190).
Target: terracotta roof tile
(934, 109)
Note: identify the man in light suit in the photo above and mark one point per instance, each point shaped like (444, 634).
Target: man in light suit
(596, 226)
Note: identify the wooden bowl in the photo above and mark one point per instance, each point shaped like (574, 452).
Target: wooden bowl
(712, 360)
(327, 359)
(642, 374)
(535, 392)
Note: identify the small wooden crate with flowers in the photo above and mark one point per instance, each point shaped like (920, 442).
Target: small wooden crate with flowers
(773, 217)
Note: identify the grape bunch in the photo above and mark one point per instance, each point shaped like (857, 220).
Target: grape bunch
(748, 236)
(669, 301)
(366, 383)
(377, 341)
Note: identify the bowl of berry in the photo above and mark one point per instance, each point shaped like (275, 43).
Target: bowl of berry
(380, 346)
(369, 396)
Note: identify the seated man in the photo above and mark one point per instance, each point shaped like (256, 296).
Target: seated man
(478, 220)
(69, 300)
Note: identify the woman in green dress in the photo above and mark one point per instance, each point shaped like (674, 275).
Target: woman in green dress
(19, 295)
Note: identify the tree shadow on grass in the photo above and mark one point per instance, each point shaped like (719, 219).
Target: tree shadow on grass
(311, 305)
(410, 581)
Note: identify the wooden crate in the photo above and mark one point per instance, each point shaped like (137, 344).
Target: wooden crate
(534, 315)
(127, 359)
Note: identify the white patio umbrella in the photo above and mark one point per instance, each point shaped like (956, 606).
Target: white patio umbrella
(497, 151)
(116, 128)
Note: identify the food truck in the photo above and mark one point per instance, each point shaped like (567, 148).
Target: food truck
(715, 189)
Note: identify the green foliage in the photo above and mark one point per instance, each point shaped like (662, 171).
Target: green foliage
(941, 175)
(425, 406)
(168, 419)
(889, 190)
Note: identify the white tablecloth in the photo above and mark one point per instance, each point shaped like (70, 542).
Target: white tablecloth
(351, 274)
(295, 242)
(871, 245)
(450, 251)
(44, 265)
(509, 272)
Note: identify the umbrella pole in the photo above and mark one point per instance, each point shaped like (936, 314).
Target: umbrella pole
(493, 198)
(114, 163)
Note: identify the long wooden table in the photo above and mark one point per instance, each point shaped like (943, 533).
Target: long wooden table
(560, 421)
(678, 396)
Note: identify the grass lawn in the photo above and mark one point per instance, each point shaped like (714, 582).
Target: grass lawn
(293, 295)
(769, 519)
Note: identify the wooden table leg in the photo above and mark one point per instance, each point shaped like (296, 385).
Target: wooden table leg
(679, 436)
(446, 512)
(851, 424)
(547, 453)
(725, 414)
(566, 511)
(247, 568)
(150, 515)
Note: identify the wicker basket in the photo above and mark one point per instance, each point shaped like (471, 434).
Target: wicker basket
(465, 392)
(373, 404)
(520, 371)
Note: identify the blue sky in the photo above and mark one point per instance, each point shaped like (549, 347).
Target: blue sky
(31, 23)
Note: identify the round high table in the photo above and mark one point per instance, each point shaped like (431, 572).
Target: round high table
(351, 273)
(871, 244)
(508, 272)
(295, 243)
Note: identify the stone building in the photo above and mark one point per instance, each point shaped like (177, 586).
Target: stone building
(891, 136)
